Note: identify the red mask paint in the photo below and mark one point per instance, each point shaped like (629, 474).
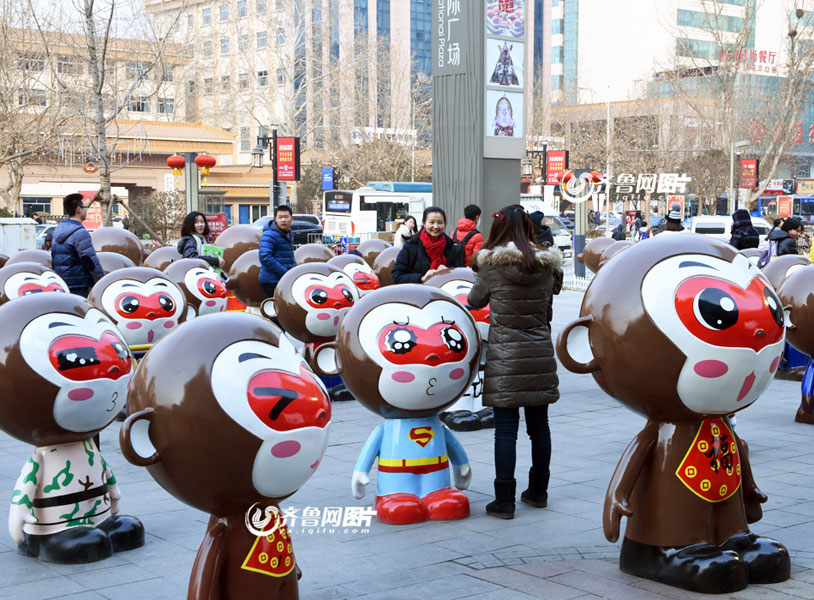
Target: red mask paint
(408, 344)
(321, 296)
(80, 358)
(136, 306)
(366, 281)
(35, 288)
(212, 288)
(481, 315)
(285, 402)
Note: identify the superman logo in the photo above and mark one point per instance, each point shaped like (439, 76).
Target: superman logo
(711, 468)
(421, 435)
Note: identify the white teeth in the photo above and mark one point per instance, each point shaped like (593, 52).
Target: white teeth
(71, 357)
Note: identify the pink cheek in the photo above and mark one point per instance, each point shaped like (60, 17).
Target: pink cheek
(285, 449)
(210, 303)
(403, 377)
(336, 320)
(80, 394)
(456, 373)
(711, 368)
(169, 324)
(132, 325)
(775, 364)
(323, 316)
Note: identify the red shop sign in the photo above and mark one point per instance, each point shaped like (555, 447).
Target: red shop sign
(288, 158)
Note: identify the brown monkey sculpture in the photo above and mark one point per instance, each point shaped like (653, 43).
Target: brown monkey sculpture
(468, 413)
(144, 303)
(24, 279)
(3, 260)
(38, 256)
(384, 263)
(780, 267)
(797, 295)
(64, 372)
(370, 249)
(112, 261)
(236, 241)
(357, 269)
(612, 250)
(244, 281)
(120, 241)
(592, 253)
(162, 258)
(706, 327)
(407, 352)
(233, 427)
(308, 253)
(205, 291)
(752, 254)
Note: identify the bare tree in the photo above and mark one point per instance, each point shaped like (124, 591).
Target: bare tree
(162, 214)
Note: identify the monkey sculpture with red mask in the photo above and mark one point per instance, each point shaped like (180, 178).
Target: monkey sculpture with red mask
(24, 279)
(204, 290)
(357, 269)
(230, 429)
(468, 413)
(705, 325)
(798, 303)
(407, 352)
(64, 372)
(144, 303)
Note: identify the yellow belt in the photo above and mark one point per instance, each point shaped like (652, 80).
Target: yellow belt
(413, 462)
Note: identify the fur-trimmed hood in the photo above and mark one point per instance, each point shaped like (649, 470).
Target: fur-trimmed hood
(508, 256)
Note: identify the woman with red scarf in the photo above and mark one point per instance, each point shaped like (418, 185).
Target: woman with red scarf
(427, 252)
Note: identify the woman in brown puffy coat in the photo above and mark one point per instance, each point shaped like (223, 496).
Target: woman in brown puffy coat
(515, 277)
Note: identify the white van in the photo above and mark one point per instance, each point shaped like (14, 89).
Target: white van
(562, 237)
(720, 227)
(368, 210)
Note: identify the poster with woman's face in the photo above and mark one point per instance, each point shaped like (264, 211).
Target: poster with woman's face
(504, 63)
(506, 17)
(504, 114)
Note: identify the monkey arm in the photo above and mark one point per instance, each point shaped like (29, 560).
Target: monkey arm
(22, 499)
(752, 496)
(112, 487)
(624, 477)
(203, 582)
(370, 450)
(457, 454)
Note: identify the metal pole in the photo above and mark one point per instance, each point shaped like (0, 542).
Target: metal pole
(607, 170)
(731, 193)
(191, 181)
(275, 203)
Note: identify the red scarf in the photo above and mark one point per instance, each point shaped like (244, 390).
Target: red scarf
(435, 248)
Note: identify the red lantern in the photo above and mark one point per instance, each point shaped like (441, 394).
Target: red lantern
(205, 162)
(176, 162)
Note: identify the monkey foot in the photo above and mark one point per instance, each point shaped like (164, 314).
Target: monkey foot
(461, 420)
(805, 414)
(400, 509)
(125, 533)
(704, 568)
(447, 505)
(768, 561)
(487, 417)
(77, 545)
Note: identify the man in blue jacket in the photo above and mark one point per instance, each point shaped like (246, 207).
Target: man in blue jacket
(72, 254)
(276, 249)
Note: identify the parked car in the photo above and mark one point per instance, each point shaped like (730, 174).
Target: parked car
(315, 219)
(720, 227)
(42, 231)
(301, 229)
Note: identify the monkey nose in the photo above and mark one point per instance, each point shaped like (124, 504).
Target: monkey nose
(337, 304)
(760, 333)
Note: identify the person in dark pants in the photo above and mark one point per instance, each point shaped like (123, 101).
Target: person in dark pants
(744, 235)
(427, 252)
(72, 255)
(515, 277)
(276, 249)
(193, 236)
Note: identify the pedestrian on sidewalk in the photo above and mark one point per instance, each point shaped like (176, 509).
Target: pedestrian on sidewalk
(672, 223)
(515, 277)
(744, 235)
(428, 252)
(72, 255)
(467, 232)
(276, 249)
(405, 231)
(193, 236)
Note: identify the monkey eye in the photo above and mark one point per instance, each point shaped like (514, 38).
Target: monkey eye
(716, 309)
(318, 296)
(773, 303)
(129, 304)
(401, 340)
(166, 302)
(454, 339)
(347, 294)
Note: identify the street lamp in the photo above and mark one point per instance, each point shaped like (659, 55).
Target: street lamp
(257, 157)
(526, 168)
(731, 200)
(264, 141)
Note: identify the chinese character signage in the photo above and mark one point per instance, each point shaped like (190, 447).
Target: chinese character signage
(805, 187)
(556, 165)
(504, 78)
(217, 225)
(449, 36)
(327, 178)
(288, 158)
(749, 173)
(643, 185)
(755, 61)
(95, 217)
(784, 206)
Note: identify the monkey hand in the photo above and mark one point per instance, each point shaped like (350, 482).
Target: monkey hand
(615, 509)
(752, 499)
(358, 483)
(115, 496)
(462, 475)
(18, 515)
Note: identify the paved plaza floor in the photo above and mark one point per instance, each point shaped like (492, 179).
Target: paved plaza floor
(558, 552)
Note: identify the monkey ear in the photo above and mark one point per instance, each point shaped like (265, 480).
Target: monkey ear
(134, 438)
(267, 308)
(787, 317)
(325, 360)
(191, 312)
(574, 347)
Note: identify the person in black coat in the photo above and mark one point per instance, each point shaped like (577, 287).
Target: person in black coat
(543, 236)
(744, 235)
(786, 236)
(193, 236)
(427, 252)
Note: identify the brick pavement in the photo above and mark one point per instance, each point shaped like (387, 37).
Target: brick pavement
(556, 552)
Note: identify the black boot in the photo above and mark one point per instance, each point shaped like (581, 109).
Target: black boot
(767, 561)
(502, 506)
(537, 494)
(125, 533)
(76, 545)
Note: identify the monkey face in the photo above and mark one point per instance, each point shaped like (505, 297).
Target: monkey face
(798, 302)
(271, 393)
(23, 279)
(359, 271)
(419, 344)
(457, 283)
(204, 285)
(144, 303)
(727, 321)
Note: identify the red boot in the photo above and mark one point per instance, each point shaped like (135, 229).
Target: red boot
(400, 509)
(446, 505)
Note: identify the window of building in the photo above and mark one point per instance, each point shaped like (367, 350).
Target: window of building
(32, 97)
(67, 65)
(191, 86)
(166, 106)
(556, 82)
(556, 55)
(261, 7)
(262, 78)
(281, 35)
(136, 70)
(244, 139)
(243, 42)
(208, 86)
(281, 75)
(138, 104)
(206, 15)
(803, 171)
(168, 74)
(243, 81)
(242, 9)
(261, 40)
(30, 62)
(702, 20)
(207, 48)
(223, 10)
(224, 45)
(190, 21)
(225, 82)
(556, 26)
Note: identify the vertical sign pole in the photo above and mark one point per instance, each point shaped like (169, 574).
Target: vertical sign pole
(274, 199)
(191, 182)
